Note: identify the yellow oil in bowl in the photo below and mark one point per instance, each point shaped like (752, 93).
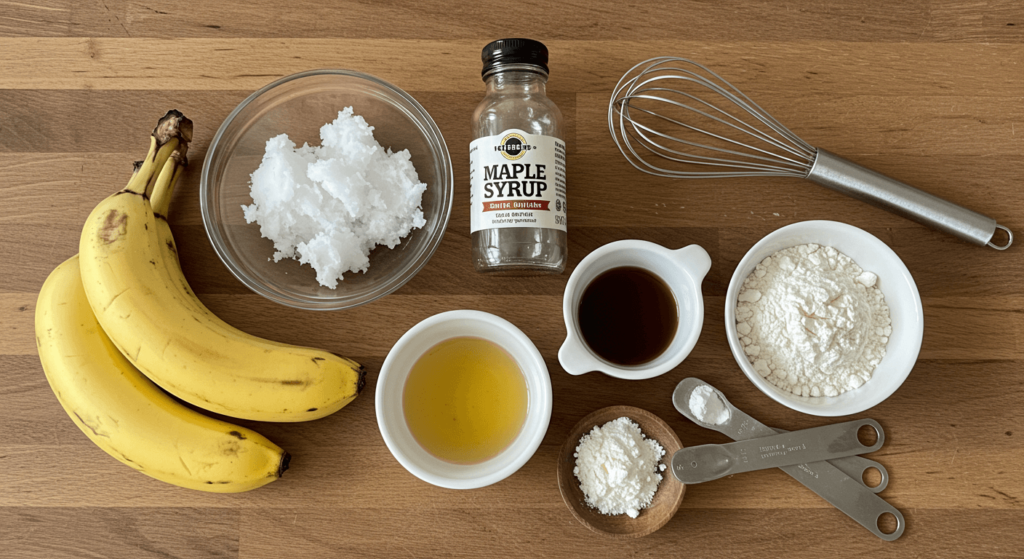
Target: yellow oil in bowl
(465, 400)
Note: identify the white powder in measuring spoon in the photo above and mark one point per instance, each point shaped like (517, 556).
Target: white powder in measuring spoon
(618, 467)
(812, 322)
(706, 406)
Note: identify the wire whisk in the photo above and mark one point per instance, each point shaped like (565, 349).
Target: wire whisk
(673, 117)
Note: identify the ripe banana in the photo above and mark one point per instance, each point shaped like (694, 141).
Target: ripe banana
(128, 416)
(144, 304)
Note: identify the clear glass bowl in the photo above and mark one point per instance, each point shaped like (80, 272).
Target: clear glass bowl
(299, 105)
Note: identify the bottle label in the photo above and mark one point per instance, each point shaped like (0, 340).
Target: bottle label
(517, 180)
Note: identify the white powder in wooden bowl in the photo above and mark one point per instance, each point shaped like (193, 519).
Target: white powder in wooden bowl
(329, 206)
(618, 467)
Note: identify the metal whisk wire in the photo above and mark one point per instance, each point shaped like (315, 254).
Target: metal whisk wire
(660, 82)
(653, 97)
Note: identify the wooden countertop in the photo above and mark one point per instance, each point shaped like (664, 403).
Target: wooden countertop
(927, 91)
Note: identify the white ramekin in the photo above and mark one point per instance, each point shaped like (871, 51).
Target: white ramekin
(682, 270)
(391, 383)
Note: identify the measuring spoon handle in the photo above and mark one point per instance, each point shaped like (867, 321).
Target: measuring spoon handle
(844, 492)
(697, 464)
(855, 466)
(848, 495)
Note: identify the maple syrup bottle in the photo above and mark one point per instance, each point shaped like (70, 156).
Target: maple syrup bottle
(517, 165)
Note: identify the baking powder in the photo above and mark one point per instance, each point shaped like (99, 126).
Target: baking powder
(618, 468)
(812, 322)
(707, 406)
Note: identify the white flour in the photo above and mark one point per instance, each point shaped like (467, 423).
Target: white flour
(618, 468)
(812, 321)
(706, 406)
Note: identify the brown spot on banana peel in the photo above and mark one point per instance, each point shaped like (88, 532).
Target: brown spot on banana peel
(126, 191)
(237, 435)
(91, 428)
(283, 465)
(312, 409)
(114, 226)
(129, 460)
(361, 370)
(361, 383)
(114, 298)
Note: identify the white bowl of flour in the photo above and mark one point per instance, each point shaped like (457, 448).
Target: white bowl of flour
(904, 333)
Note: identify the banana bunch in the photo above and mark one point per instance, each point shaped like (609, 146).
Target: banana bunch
(126, 415)
(142, 301)
(120, 317)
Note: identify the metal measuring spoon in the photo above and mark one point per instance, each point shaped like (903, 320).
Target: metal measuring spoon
(839, 481)
(697, 464)
(853, 466)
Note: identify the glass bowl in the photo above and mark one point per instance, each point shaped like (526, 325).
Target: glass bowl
(299, 105)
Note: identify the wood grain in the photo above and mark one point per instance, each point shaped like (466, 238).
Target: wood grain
(928, 91)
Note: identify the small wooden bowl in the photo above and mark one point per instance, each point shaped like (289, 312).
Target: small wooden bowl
(666, 500)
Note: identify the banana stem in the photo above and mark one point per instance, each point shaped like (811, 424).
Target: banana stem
(172, 134)
(141, 175)
(162, 155)
(163, 186)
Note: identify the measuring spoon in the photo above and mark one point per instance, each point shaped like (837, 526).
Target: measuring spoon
(853, 466)
(845, 492)
(697, 464)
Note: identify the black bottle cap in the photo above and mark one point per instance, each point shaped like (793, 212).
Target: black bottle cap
(514, 51)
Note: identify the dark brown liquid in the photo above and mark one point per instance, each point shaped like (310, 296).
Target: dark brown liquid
(628, 316)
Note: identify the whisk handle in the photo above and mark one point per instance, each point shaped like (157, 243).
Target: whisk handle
(842, 175)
